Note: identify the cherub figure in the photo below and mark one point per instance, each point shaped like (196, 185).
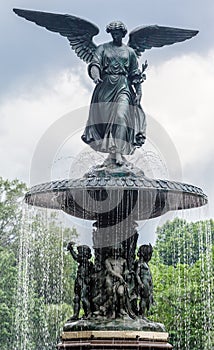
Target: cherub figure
(116, 285)
(144, 279)
(82, 283)
(116, 122)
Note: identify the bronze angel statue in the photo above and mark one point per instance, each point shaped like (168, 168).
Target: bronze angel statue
(116, 122)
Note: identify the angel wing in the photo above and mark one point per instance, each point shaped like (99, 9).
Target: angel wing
(146, 37)
(78, 31)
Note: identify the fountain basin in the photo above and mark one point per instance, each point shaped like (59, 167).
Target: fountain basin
(116, 197)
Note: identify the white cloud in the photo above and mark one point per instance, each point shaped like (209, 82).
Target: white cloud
(25, 116)
(179, 94)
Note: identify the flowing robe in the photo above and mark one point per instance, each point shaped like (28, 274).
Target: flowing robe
(115, 122)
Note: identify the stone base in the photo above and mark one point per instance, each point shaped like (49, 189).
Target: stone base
(118, 324)
(113, 340)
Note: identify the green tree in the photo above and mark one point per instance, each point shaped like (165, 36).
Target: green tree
(184, 292)
(8, 276)
(11, 195)
(182, 242)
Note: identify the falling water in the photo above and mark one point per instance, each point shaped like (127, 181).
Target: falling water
(41, 304)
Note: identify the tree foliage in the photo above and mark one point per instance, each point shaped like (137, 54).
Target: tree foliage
(11, 195)
(184, 291)
(8, 275)
(183, 242)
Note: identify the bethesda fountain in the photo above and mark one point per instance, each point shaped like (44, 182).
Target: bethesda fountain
(114, 290)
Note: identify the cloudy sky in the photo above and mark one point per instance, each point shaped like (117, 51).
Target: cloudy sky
(42, 81)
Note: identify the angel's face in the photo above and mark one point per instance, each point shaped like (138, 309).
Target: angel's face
(117, 35)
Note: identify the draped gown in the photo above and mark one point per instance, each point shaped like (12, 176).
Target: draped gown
(115, 122)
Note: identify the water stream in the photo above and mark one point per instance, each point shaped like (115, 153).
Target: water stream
(41, 301)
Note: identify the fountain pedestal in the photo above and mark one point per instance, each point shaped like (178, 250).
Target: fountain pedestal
(114, 340)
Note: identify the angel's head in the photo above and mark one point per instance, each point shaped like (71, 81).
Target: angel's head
(117, 30)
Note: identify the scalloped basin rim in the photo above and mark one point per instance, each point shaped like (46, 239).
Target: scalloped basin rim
(143, 198)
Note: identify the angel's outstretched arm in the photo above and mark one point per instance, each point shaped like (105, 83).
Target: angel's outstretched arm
(95, 67)
(95, 75)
